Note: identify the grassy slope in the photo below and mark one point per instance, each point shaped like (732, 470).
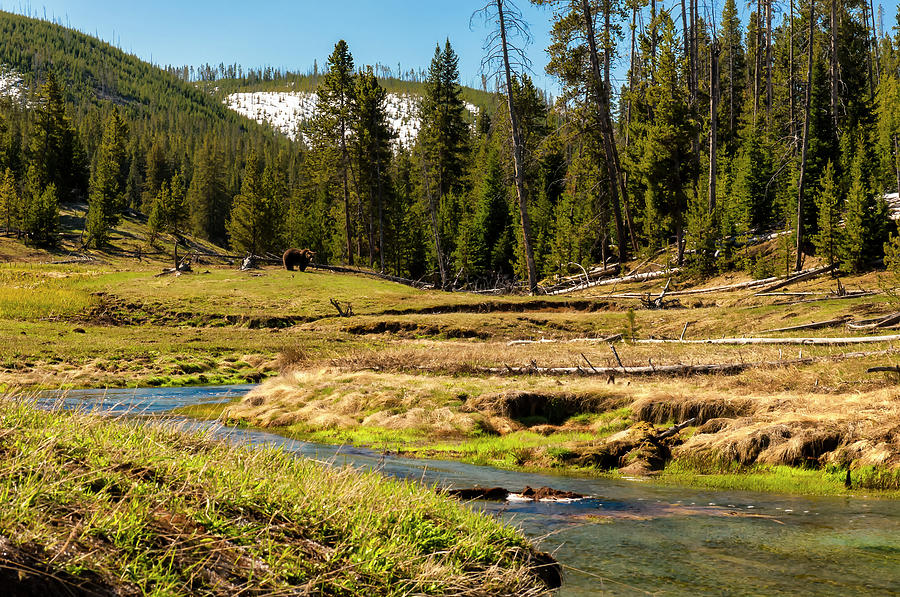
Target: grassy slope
(144, 510)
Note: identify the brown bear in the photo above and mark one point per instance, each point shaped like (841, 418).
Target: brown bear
(301, 258)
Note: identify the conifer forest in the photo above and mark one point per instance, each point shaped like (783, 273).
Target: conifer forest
(675, 126)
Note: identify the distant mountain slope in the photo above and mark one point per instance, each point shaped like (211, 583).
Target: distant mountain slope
(98, 75)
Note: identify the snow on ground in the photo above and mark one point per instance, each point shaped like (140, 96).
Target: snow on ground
(287, 111)
(893, 203)
(11, 83)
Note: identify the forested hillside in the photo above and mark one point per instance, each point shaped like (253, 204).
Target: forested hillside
(169, 129)
(722, 131)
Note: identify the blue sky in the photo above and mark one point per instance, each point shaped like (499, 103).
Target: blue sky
(292, 33)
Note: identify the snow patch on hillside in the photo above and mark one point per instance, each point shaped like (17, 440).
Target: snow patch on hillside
(11, 83)
(288, 111)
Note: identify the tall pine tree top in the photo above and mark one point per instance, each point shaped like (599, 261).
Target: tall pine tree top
(445, 134)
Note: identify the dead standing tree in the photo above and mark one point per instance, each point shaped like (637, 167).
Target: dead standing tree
(509, 24)
(803, 151)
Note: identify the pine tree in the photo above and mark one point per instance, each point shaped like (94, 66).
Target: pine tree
(156, 171)
(732, 63)
(169, 212)
(668, 166)
(10, 206)
(829, 238)
(55, 152)
(443, 140)
(333, 125)
(41, 218)
(207, 196)
(865, 216)
(749, 207)
(106, 198)
(372, 149)
(255, 226)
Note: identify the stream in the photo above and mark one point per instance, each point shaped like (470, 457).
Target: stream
(628, 537)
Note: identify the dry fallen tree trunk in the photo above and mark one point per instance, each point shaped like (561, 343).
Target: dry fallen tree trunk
(809, 326)
(813, 341)
(594, 273)
(799, 277)
(613, 338)
(879, 322)
(894, 369)
(680, 369)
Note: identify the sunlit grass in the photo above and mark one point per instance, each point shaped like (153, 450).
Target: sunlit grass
(30, 294)
(150, 510)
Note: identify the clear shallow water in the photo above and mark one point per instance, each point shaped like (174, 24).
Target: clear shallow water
(631, 537)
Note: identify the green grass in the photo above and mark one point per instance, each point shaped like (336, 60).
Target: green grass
(31, 293)
(783, 479)
(154, 511)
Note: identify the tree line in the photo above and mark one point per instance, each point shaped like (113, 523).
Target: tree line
(720, 131)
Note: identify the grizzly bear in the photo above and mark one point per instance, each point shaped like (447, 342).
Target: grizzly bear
(301, 258)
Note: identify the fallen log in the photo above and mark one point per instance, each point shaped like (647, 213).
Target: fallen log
(894, 369)
(804, 341)
(640, 277)
(674, 429)
(670, 370)
(680, 369)
(879, 322)
(809, 326)
(598, 276)
(799, 277)
(374, 274)
(831, 297)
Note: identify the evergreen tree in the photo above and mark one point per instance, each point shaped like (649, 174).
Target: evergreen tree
(207, 195)
(55, 152)
(828, 240)
(749, 207)
(10, 206)
(667, 165)
(443, 140)
(156, 171)
(372, 149)
(732, 63)
(865, 216)
(255, 226)
(333, 125)
(106, 198)
(169, 212)
(41, 217)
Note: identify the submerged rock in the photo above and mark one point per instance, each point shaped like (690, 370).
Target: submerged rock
(499, 494)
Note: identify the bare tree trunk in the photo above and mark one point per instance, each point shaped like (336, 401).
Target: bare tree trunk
(432, 208)
(688, 53)
(380, 214)
(875, 44)
(731, 122)
(653, 29)
(518, 158)
(601, 94)
(757, 59)
(347, 219)
(713, 117)
(806, 103)
(769, 62)
(793, 111)
(897, 162)
(865, 10)
(834, 67)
